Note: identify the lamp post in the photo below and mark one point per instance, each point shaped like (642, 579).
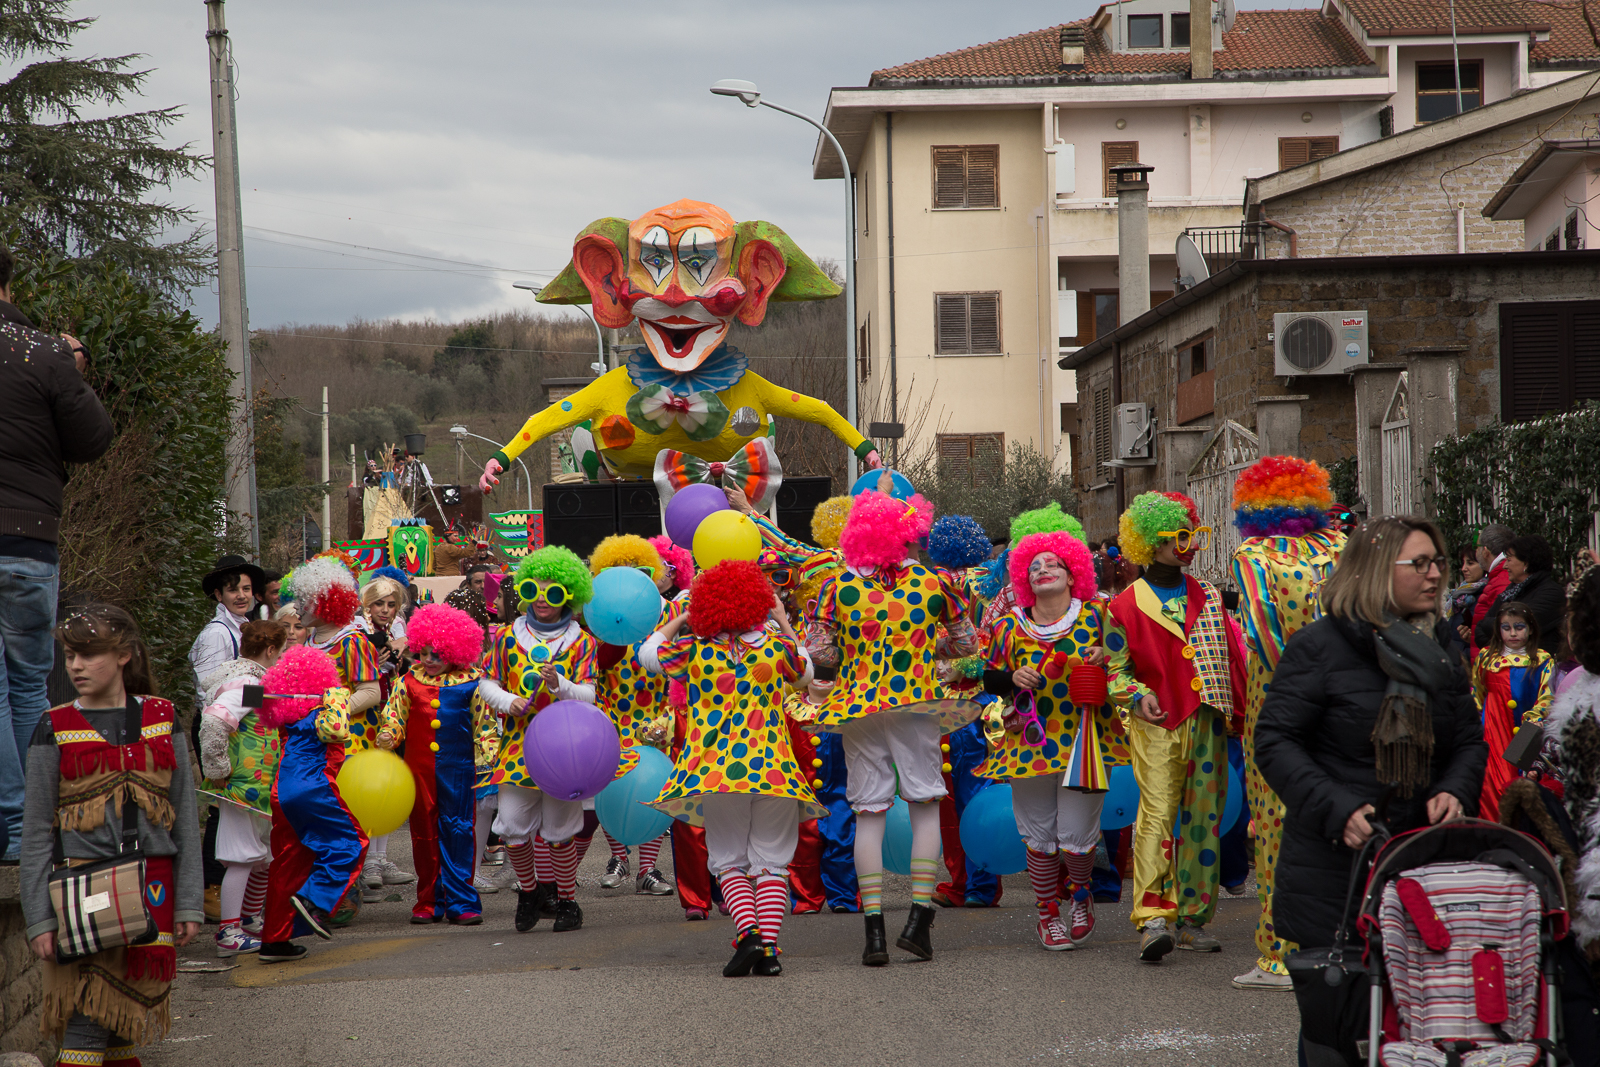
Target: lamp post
(599, 367)
(751, 96)
(461, 431)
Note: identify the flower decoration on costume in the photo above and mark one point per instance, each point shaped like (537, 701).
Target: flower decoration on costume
(732, 597)
(394, 574)
(1281, 496)
(1073, 554)
(881, 527)
(325, 590)
(827, 521)
(957, 542)
(449, 631)
(624, 550)
(302, 671)
(1139, 529)
(553, 563)
(681, 560)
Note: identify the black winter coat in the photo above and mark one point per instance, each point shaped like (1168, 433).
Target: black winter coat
(1548, 600)
(1313, 746)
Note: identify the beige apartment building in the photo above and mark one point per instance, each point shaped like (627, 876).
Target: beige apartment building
(987, 225)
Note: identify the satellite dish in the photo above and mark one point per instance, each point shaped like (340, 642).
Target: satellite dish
(1229, 13)
(1192, 269)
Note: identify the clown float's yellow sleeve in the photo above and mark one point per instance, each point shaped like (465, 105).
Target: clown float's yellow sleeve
(786, 403)
(604, 396)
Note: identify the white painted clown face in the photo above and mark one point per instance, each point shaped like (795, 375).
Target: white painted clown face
(1047, 575)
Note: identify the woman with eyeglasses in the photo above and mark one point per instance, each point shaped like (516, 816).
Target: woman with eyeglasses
(1368, 715)
(1530, 567)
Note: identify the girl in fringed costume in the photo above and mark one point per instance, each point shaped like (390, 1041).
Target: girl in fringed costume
(112, 748)
(381, 602)
(1280, 507)
(1177, 667)
(317, 844)
(449, 733)
(736, 773)
(1513, 681)
(1046, 655)
(635, 699)
(878, 623)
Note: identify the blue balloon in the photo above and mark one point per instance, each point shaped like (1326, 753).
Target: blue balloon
(989, 833)
(625, 606)
(1121, 805)
(622, 807)
(902, 485)
(897, 839)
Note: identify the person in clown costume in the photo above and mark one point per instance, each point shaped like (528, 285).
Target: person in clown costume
(450, 733)
(1280, 506)
(736, 772)
(1513, 683)
(1177, 667)
(878, 624)
(1046, 657)
(994, 583)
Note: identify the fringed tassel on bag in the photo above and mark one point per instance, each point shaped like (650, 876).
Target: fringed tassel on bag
(1403, 741)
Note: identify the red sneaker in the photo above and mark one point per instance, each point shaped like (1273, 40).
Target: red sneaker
(1053, 933)
(1082, 919)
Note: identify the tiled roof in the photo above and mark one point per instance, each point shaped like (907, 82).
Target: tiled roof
(1397, 18)
(1570, 38)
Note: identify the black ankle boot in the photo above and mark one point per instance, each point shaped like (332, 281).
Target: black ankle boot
(568, 916)
(877, 950)
(768, 963)
(914, 938)
(527, 910)
(545, 895)
(745, 955)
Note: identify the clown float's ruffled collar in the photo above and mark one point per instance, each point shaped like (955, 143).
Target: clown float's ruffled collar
(721, 370)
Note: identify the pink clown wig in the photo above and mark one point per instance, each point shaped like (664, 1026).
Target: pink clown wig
(679, 559)
(1068, 549)
(880, 529)
(448, 631)
(304, 671)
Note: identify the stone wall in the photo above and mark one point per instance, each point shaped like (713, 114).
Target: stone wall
(21, 978)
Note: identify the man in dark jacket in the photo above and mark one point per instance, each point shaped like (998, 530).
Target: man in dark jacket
(48, 417)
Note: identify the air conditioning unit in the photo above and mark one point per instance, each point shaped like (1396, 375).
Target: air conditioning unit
(1318, 342)
(1133, 436)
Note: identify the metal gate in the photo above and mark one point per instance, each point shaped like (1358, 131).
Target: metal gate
(1231, 449)
(1395, 459)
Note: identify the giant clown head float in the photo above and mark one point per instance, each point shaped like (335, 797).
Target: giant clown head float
(685, 408)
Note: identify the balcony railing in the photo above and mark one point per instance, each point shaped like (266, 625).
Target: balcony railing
(1223, 245)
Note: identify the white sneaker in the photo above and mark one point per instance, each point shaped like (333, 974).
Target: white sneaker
(616, 873)
(392, 875)
(1256, 978)
(254, 924)
(483, 885)
(372, 875)
(232, 940)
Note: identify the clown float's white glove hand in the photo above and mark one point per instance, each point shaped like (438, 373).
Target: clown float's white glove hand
(489, 481)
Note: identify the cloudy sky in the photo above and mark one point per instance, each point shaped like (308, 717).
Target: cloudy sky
(406, 158)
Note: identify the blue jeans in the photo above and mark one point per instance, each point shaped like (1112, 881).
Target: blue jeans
(27, 652)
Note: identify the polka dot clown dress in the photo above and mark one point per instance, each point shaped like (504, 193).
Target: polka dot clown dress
(738, 738)
(887, 625)
(631, 695)
(357, 662)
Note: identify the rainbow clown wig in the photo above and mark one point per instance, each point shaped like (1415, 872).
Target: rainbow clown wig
(1139, 529)
(732, 597)
(325, 590)
(449, 631)
(303, 671)
(625, 550)
(827, 521)
(957, 542)
(1048, 519)
(881, 528)
(344, 558)
(681, 560)
(554, 563)
(1072, 553)
(1281, 496)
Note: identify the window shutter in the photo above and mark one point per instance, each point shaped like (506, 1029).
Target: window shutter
(949, 177)
(1293, 152)
(864, 350)
(955, 456)
(983, 176)
(1102, 429)
(1323, 147)
(983, 316)
(1533, 363)
(950, 314)
(1085, 318)
(988, 451)
(1115, 154)
(1586, 353)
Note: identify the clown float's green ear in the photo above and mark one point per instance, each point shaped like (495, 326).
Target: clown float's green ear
(803, 279)
(568, 288)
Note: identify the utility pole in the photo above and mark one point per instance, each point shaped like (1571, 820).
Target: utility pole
(233, 319)
(327, 498)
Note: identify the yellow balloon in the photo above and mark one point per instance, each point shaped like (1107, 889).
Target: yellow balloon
(379, 790)
(725, 535)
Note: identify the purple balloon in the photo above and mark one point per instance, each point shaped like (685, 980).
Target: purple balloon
(572, 750)
(688, 508)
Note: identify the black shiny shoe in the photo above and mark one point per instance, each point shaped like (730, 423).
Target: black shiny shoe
(745, 955)
(876, 953)
(545, 894)
(527, 911)
(568, 916)
(914, 938)
(768, 964)
(281, 952)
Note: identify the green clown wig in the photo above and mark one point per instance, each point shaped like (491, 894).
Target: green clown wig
(553, 563)
(1138, 532)
(1048, 519)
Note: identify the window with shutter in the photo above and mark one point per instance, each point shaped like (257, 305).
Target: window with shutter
(1549, 357)
(966, 176)
(970, 456)
(966, 324)
(1570, 239)
(1102, 432)
(864, 350)
(1115, 154)
(1296, 151)
(1586, 354)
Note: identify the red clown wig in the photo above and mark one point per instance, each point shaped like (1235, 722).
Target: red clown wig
(449, 631)
(732, 597)
(324, 589)
(1073, 554)
(304, 671)
(881, 527)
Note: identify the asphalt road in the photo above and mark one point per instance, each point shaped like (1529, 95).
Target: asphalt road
(640, 986)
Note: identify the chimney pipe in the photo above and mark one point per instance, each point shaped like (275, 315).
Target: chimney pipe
(1200, 47)
(1133, 240)
(1072, 47)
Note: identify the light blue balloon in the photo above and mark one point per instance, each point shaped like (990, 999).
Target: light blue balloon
(1121, 805)
(625, 606)
(897, 839)
(902, 485)
(623, 806)
(989, 833)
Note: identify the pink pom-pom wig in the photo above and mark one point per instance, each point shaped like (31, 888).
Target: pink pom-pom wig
(1068, 549)
(302, 670)
(880, 529)
(448, 631)
(681, 560)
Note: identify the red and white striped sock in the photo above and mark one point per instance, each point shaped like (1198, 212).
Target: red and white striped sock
(523, 862)
(542, 870)
(648, 852)
(618, 849)
(740, 896)
(255, 893)
(581, 844)
(772, 902)
(564, 858)
(1044, 872)
(1080, 871)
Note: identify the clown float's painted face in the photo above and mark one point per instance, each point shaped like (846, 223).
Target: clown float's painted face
(1047, 575)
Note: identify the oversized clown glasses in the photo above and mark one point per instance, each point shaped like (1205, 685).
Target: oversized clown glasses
(1198, 538)
(532, 591)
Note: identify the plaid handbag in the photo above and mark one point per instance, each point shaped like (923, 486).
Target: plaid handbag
(101, 905)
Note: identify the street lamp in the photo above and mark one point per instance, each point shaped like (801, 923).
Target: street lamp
(461, 431)
(751, 96)
(598, 367)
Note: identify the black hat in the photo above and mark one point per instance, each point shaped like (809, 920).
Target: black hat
(230, 565)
